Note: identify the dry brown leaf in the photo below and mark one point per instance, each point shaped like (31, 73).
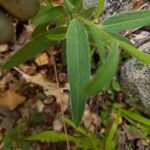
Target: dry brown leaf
(139, 4)
(10, 99)
(42, 60)
(48, 87)
(58, 2)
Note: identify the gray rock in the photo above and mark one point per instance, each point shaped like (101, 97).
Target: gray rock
(89, 3)
(111, 6)
(135, 79)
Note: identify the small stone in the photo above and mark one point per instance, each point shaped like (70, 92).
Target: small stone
(111, 6)
(4, 48)
(135, 78)
(57, 125)
(40, 106)
(89, 3)
(7, 123)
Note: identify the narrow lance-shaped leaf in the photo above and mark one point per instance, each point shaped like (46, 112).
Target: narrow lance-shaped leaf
(39, 29)
(99, 42)
(127, 20)
(32, 48)
(69, 6)
(120, 37)
(127, 46)
(78, 60)
(86, 13)
(48, 15)
(10, 136)
(111, 141)
(99, 9)
(50, 136)
(78, 4)
(82, 142)
(105, 72)
(132, 51)
(136, 117)
(58, 35)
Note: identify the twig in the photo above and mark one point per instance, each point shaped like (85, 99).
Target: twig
(61, 107)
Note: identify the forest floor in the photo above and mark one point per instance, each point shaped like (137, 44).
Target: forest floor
(35, 97)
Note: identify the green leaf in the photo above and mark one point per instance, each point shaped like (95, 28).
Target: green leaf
(115, 85)
(78, 129)
(35, 46)
(78, 4)
(127, 20)
(136, 117)
(120, 38)
(10, 137)
(78, 60)
(69, 6)
(31, 49)
(53, 136)
(127, 46)
(99, 42)
(50, 136)
(39, 29)
(99, 9)
(111, 139)
(134, 52)
(37, 117)
(48, 15)
(86, 13)
(56, 37)
(105, 72)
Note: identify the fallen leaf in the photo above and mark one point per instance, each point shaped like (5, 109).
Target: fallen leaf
(42, 60)
(11, 99)
(58, 2)
(49, 88)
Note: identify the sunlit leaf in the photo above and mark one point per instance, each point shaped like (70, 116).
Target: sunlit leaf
(99, 9)
(50, 136)
(136, 117)
(111, 140)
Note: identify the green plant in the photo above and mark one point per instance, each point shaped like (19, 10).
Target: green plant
(81, 137)
(74, 28)
(37, 117)
(14, 138)
(106, 141)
